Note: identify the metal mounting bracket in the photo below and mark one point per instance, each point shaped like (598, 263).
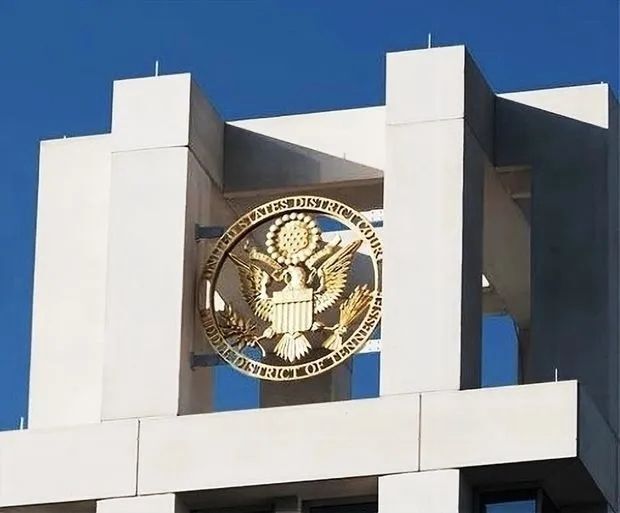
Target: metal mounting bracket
(208, 232)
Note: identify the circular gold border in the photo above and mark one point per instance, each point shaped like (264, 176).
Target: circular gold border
(211, 269)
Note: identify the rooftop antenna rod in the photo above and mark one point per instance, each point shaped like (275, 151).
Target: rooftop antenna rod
(21, 423)
(430, 40)
(156, 67)
(556, 374)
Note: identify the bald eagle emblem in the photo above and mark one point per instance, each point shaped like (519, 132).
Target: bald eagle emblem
(298, 277)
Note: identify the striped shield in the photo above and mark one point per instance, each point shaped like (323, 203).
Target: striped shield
(292, 310)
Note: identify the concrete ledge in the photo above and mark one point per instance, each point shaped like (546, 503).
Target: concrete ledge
(166, 503)
(357, 135)
(585, 103)
(68, 464)
(62, 507)
(279, 445)
(257, 162)
(548, 432)
(498, 425)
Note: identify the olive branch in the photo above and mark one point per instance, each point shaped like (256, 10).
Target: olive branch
(235, 326)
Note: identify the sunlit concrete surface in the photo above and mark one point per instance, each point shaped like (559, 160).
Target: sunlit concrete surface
(489, 203)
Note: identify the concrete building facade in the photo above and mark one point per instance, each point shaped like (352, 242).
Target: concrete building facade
(521, 188)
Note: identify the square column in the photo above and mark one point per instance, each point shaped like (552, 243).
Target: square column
(572, 149)
(441, 491)
(439, 136)
(166, 503)
(68, 315)
(166, 171)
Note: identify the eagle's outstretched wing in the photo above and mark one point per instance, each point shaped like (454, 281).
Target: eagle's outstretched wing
(254, 283)
(333, 275)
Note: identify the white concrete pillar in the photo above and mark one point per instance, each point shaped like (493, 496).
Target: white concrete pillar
(68, 317)
(166, 503)
(439, 136)
(441, 491)
(166, 177)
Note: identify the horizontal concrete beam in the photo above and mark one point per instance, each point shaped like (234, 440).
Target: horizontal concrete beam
(258, 165)
(358, 194)
(166, 503)
(336, 154)
(61, 507)
(471, 429)
(279, 445)
(539, 423)
(585, 103)
(68, 464)
(357, 135)
(498, 425)
(506, 425)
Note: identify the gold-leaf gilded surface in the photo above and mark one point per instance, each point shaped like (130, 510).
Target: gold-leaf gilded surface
(288, 285)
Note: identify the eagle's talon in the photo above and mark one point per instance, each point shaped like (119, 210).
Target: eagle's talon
(336, 328)
(255, 342)
(260, 346)
(340, 329)
(317, 325)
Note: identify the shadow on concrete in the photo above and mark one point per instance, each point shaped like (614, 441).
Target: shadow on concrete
(258, 168)
(574, 246)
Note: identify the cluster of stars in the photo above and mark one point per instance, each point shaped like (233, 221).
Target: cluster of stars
(292, 238)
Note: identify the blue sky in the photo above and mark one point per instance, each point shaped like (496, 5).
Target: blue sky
(253, 58)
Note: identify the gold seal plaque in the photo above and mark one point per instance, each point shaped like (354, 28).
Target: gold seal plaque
(301, 301)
